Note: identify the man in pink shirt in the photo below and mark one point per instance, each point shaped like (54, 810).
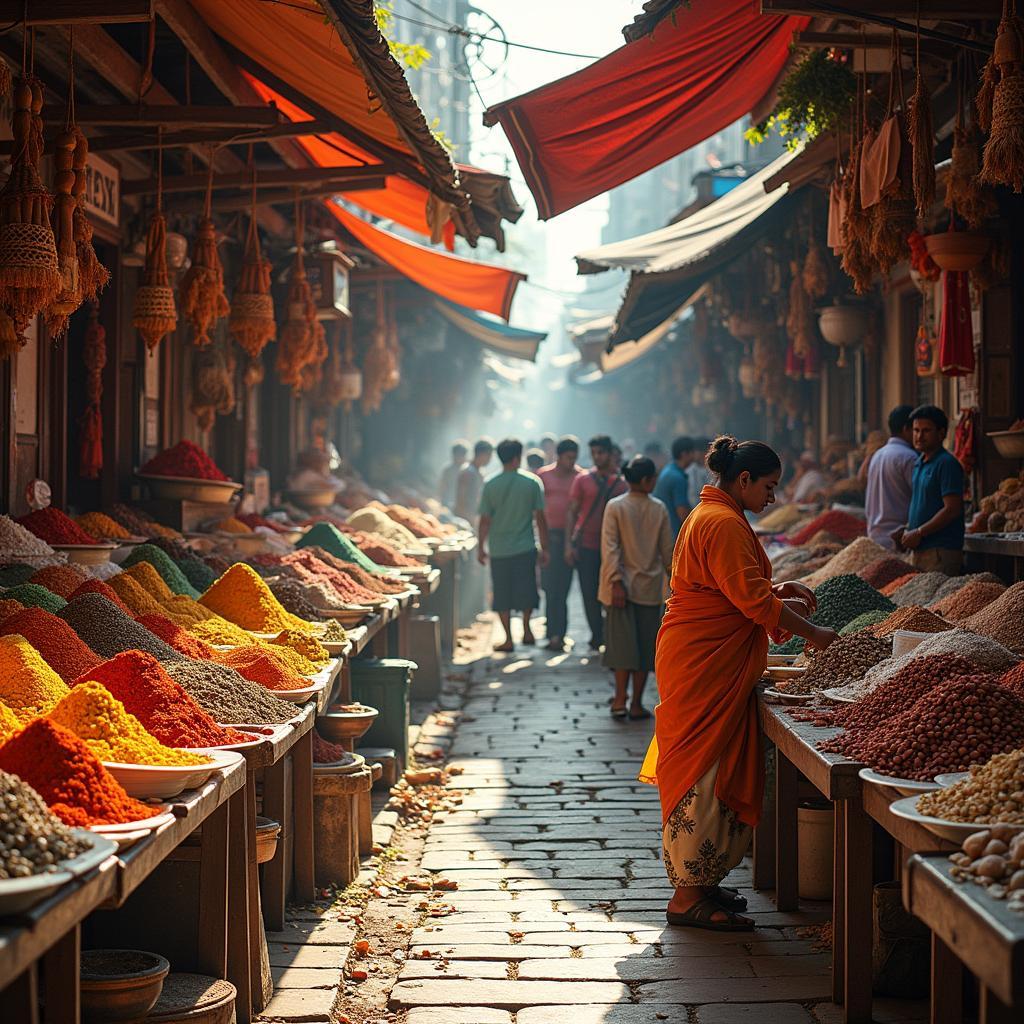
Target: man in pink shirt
(588, 496)
(556, 577)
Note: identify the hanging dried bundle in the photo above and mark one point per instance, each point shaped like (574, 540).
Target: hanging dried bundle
(94, 354)
(815, 272)
(313, 372)
(335, 388)
(856, 233)
(965, 194)
(252, 322)
(994, 268)
(799, 327)
(92, 275)
(254, 373)
(69, 298)
(1003, 159)
(213, 385)
(922, 141)
(393, 376)
(375, 371)
(5, 79)
(154, 314)
(201, 293)
(29, 276)
(297, 343)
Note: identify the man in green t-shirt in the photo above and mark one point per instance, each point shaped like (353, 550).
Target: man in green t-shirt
(511, 504)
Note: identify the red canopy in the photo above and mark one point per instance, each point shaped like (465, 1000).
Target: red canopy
(481, 286)
(699, 71)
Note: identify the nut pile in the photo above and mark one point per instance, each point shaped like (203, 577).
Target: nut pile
(912, 618)
(957, 724)
(848, 658)
(993, 858)
(33, 840)
(992, 794)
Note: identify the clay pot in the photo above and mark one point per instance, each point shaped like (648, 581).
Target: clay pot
(958, 250)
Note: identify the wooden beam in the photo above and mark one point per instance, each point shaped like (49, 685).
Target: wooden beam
(75, 12)
(870, 10)
(855, 41)
(296, 176)
(195, 116)
(275, 197)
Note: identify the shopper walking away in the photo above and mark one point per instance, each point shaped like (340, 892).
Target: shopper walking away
(697, 473)
(548, 445)
(511, 505)
(556, 578)
(535, 459)
(587, 499)
(706, 757)
(471, 481)
(673, 486)
(890, 480)
(448, 488)
(636, 559)
(935, 521)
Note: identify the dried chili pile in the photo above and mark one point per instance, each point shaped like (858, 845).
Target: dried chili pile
(101, 525)
(179, 638)
(840, 524)
(241, 597)
(58, 644)
(165, 710)
(330, 538)
(261, 666)
(103, 589)
(31, 595)
(884, 570)
(53, 526)
(164, 565)
(62, 580)
(227, 697)
(69, 777)
(109, 631)
(28, 686)
(184, 459)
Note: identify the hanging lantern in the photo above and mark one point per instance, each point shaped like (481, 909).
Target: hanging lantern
(203, 301)
(328, 273)
(252, 322)
(844, 327)
(1001, 104)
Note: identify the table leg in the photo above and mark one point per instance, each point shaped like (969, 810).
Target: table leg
(21, 997)
(857, 916)
(212, 942)
(255, 912)
(240, 913)
(764, 840)
(839, 902)
(946, 985)
(992, 1010)
(302, 816)
(787, 852)
(272, 892)
(61, 993)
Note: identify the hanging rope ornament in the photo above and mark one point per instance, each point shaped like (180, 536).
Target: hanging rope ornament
(252, 322)
(201, 294)
(856, 226)
(94, 354)
(297, 343)
(377, 363)
(966, 196)
(815, 273)
(922, 136)
(213, 385)
(154, 313)
(1001, 104)
(29, 276)
(92, 275)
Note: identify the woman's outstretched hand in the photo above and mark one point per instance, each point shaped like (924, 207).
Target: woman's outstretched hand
(821, 638)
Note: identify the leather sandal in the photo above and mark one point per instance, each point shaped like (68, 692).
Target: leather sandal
(728, 898)
(702, 915)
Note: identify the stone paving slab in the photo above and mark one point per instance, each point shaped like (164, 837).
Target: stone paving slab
(615, 1014)
(300, 1005)
(304, 977)
(642, 969)
(495, 951)
(306, 955)
(458, 1015)
(739, 990)
(505, 994)
(753, 1013)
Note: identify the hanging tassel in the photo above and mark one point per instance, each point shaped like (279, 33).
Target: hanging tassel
(1003, 159)
(94, 277)
(966, 196)
(154, 314)
(201, 293)
(856, 233)
(298, 342)
(213, 385)
(815, 274)
(94, 354)
(922, 138)
(252, 322)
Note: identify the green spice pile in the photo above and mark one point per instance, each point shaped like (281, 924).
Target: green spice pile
(33, 840)
(863, 621)
(162, 562)
(32, 595)
(331, 539)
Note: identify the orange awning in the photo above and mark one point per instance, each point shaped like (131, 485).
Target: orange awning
(482, 286)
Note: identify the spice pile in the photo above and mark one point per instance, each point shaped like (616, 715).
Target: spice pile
(328, 753)
(780, 518)
(371, 582)
(33, 840)
(28, 686)
(104, 590)
(1002, 619)
(51, 525)
(100, 525)
(842, 598)
(847, 658)
(967, 601)
(993, 858)
(884, 570)
(992, 794)
(261, 665)
(863, 621)
(304, 600)
(109, 631)
(331, 539)
(69, 777)
(175, 579)
(180, 639)
(382, 552)
(135, 596)
(20, 545)
(241, 597)
(57, 643)
(850, 559)
(184, 459)
(219, 632)
(956, 724)
(31, 595)
(840, 524)
(303, 644)
(912, 619)
(227, 697)
(920, 589)
(955, 583)
(196, 571)
(61, 580)
(309, 567)
(9, 723)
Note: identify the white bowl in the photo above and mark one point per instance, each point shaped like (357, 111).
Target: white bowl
(161, 782)
(86, 554)
(905, 787)
(906, 640)
(947, 779)
(954, 831)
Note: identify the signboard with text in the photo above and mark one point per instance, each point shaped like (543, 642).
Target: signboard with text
(102, 191)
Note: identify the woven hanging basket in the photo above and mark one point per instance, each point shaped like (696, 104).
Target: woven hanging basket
(154, 314)
(1003, 159)
(252, 322)
(202, 297)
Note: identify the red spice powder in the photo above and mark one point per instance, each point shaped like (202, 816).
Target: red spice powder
(180, 639)
(883, 571)
(184, 459)
(61, 647)
(261, 667)
(8, 606)
(69, 777)
(890, 588)
(51, 525)
(139, 682)
(308, 568)
(326, 753)
(252, 520)
(367, 580)
(839, 524)
(60, 579)
(104, 590)
(383, 552)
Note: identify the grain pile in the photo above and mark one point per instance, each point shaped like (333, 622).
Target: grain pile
(920, 589)
(848, 658)
(851, 559)
(890, 588)
(967, 601)
(991, 794)
(955, 583)
(913, 619)
(1002, 619)
(20, 545)
(227, 697)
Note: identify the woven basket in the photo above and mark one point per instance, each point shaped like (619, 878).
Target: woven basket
(154, 313)
(28, 249)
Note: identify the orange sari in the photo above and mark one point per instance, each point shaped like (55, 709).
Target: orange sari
(712, 649)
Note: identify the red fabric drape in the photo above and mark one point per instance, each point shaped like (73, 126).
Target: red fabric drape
(648, 101)
(482, 286)
(956, 335)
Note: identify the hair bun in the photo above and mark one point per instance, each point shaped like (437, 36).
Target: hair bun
(721, 453)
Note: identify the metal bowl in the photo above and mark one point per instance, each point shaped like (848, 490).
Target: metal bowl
(120, 984)
(187, 488)
(1009, 443)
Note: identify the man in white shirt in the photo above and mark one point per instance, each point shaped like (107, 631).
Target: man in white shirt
(890, 476)
(448, 488)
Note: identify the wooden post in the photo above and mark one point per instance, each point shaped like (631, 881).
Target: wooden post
(764, 834)
(302, 819)
(946, 984)
(214, 886)
(857, 898)
(61, 966)
(272, 891)
(787, 847)
(838, 901)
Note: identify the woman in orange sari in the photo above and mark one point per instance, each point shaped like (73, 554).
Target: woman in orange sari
(706, 757)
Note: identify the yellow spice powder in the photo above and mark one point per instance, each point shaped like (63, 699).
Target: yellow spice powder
(9, 723)
(95, 715)
(28, 686)
(139, 601)
(220, 632)
(151, 581)
(242, 597)
(302, 643)
(232, 525)
(100, 525)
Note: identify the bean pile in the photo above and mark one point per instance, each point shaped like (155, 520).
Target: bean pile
(994, 858)
(227, 697)
(967, 601)
(848, 658)
(33, 840)
(883, 570)
(890, 588)
(863, 621)
(1000, 620)
(991, 794)
(108, 631)
(920, 589)
(842, 598)
(956, 724)
(913, 618)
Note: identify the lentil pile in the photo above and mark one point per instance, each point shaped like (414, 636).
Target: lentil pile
(967, 601)
(956, 724)
(69, 777)
(31, 595)
(51, 525)
(840, 524)
(108, 631)
(28, 686)
(33, 840)
(842, 598)
(184, 459)
(227, 697)
(920, 589)
(331, 539)
(165, 710)
(993, 858)
(58, 644)
(241, 597)
(175, 579)
(912, 618)
(848, 658)
(883, 570)
(992, 794)
(1001, 620)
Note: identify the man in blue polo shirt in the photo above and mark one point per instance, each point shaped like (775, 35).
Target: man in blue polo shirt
(935, 522)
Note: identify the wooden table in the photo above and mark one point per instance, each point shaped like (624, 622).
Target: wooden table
(1002, 555)
(969, 928)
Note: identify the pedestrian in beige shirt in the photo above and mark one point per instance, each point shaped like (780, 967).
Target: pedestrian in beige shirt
(636, 560)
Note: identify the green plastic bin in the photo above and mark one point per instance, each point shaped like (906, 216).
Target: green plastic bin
(384, 684)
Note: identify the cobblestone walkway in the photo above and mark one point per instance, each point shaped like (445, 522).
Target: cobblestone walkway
(559, 913)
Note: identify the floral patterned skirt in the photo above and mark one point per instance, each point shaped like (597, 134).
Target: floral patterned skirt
(703, 840)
